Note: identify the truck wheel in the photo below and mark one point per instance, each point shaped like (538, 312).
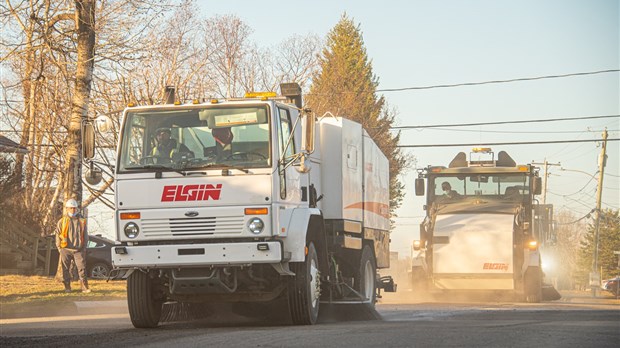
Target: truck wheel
(532, 285)
(367, 276)
(144, 306)
(304, 289)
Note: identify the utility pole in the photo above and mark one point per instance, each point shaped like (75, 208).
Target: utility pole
(595, 283)
(546, 164)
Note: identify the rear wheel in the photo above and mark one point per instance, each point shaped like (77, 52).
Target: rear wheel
(143, 300)
(532, 284)
(366, 277)
(304, 289)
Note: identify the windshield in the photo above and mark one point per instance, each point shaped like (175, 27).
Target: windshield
(196, 138)
(511, 187)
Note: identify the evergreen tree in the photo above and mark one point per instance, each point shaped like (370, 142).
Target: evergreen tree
(346, 86)
(608, 242)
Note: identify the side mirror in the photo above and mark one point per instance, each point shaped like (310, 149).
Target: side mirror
(419, 187)
(88, 141)
(307, 139)
(537, 186)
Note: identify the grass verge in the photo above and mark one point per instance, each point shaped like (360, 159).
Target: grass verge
(24, 294)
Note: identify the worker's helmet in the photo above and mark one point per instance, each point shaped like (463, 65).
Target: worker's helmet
(71, 203)
(163, 130)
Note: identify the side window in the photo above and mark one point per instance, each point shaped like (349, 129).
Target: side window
(284, 131)
(136, 141)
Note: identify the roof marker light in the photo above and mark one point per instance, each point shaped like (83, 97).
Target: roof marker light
(260, 95)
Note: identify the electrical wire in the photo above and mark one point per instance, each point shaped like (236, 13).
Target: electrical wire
(509, 132)
(506, 143)
(507, 122)
(583, 188)
(588, 215)
(496, 81)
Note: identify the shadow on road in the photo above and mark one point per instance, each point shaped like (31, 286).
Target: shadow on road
(234, 315)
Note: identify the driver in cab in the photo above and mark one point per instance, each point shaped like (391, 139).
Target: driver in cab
(167, 147)
(448, 192)
(223, 142)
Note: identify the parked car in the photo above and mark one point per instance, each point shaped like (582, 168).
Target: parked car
(611, 285)
(98, 258)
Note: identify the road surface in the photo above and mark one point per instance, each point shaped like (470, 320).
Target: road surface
(397, 323)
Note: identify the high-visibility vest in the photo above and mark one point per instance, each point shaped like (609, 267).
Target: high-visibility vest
(174, 150)
(64, 230)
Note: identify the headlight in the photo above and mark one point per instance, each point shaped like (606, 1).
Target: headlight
(256, 225)
(131, 230)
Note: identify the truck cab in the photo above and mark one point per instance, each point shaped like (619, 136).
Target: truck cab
(248, 200)
(478, 231)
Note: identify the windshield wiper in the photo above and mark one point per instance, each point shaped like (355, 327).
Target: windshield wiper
(157, 166)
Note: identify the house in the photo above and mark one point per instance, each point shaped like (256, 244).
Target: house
(18, 244)
(9, 146)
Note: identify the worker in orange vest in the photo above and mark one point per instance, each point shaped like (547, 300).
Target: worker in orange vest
(71, 241)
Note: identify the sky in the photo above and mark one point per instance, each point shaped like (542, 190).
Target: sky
(427, 43)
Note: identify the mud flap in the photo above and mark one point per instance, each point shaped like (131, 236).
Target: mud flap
(386, 283)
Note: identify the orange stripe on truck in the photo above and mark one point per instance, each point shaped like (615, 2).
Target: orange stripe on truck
(380, 209)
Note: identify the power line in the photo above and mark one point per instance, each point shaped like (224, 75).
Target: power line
(508, 143)
(588, 215)
(518, 132)
(496, 81)
(507, 122)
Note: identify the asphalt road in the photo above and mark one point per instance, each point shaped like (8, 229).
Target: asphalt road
(398, 322)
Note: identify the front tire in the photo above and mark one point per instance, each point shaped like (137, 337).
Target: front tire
(533, 285)
(144, 304)
(304, 289)
(419, 282)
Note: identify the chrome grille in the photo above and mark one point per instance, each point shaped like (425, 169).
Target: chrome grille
(197, 226)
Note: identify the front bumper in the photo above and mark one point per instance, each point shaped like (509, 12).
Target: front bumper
(196, 255)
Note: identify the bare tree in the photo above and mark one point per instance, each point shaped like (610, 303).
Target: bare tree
(562, 260)
(227, 42)
(85, 27)
(48, 58)
(65, 62)
(297, 59)
(293, 60)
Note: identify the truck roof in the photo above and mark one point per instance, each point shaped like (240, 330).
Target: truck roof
(481, 170)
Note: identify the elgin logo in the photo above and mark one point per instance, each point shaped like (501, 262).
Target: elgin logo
(496, 266)
(183, 193)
